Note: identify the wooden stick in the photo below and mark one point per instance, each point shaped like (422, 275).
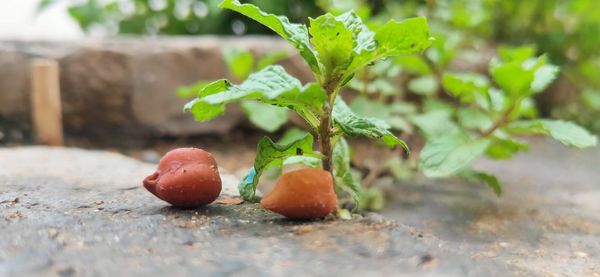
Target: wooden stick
(45, 103)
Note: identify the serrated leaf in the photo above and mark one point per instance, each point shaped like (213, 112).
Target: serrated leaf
(239, 62)
(296, 34)
(567, 133)
(270, 154)
(446, 155)
(392, 39)
(353, 125)
(333, 42)
(267, 117)
(272, 85)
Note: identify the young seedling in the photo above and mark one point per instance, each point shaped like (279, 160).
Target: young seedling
(334, 47)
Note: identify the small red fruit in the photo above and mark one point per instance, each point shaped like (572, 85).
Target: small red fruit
(302, 194)
(186, 177)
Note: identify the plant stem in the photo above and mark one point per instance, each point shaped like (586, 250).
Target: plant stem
(325, 133)
(501, 121)
(325, 139)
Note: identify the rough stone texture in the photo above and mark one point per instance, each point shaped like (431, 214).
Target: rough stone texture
(128, 85)
(69, 212)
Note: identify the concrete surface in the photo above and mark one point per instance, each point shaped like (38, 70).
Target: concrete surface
(70, 212)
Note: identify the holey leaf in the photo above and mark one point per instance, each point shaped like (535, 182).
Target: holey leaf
(268, 154)
(446, 155)
(567, 133)
(272, 85)
(353, 125)
(296, 34)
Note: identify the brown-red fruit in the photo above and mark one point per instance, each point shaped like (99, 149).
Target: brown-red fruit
(302, 194)
(186, 177)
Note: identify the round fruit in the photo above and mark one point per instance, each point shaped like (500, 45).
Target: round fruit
(302, 194)
(186, 177)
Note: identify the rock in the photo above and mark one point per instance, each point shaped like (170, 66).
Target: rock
(546, 223)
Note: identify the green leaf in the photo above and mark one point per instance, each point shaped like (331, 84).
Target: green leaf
(400, 38)
(332, 41)
(474, 119)
(434, 123)
(354, 125)
(505, 148)
(291, 134)
(239, 62)
(543, 77)
(341, 170)
(567, 133)
(516, 54)
(466, 87)
(392, 39)
(192, 90)
(272, 85)
(482, 177)
(513, 78)
(424, 85)
(400, 169)
(414, 64)
(270, 154)
(369, 108)
(296, 34)
(448, 154)
(303, 160)
(271, 58)
(371, 199)
(264, 116)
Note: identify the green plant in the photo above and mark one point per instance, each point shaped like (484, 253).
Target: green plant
(489, 118)
(240, 63)
(335, 47)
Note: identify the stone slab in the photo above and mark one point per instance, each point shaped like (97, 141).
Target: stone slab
(71, 212)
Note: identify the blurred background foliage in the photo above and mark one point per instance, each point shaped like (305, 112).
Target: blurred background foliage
(567, 30)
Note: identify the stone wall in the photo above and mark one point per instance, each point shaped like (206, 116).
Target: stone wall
(128, 85)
